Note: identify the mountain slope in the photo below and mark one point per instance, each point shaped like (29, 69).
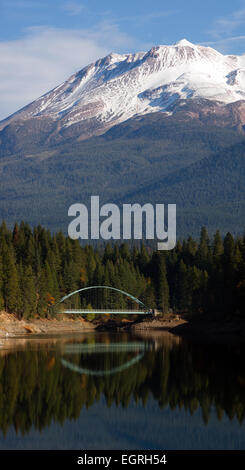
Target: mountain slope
(162, 126)
(119, 87)
(130, 162)
(209, 192)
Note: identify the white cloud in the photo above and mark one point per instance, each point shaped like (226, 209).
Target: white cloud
(223, 41)
(227, 25)
(226, 45)
(45, 57)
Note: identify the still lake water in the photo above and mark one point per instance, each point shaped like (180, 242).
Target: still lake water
(120, 391)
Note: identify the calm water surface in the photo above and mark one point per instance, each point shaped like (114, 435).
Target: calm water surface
(119, 391)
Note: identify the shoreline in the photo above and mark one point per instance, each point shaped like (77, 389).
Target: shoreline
(12, 327)
(200, 329)
(212, 330)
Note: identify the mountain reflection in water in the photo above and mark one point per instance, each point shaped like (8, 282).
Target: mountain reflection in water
(101, 390)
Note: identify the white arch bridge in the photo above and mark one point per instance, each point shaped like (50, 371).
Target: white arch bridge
(139, 308)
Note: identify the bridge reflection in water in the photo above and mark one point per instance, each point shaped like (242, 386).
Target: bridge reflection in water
(103, 348)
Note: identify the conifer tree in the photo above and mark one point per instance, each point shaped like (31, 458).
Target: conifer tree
(11, 282)
(202, 254)
(182, 286)
(1, 284)
(218, 248)
(28, 293)
(162, 284)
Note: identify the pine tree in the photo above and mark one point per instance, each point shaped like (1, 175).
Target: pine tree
(182, 286)
(28, 293)
(218, 248)
(1, 285)
(203, 254)
(46, 292)
(11, 287)
(162, 285)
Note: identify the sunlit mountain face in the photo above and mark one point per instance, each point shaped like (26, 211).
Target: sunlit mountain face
(118, 87)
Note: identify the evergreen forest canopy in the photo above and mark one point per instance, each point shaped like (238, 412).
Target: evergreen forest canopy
(37, 269)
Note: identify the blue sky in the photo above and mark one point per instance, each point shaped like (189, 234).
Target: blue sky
(43, 42)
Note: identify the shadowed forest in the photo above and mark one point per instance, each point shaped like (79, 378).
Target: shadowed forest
(37, 268)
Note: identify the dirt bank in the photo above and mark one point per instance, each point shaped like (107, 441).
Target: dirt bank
(10, 326)
(206, 328)
(142, 324)
(165, 323)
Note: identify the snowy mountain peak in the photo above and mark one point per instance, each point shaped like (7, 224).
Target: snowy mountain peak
(120, 86)
(184, 42)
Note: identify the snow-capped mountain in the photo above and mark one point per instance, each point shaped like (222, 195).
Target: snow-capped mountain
(119, 87)
(175, 118)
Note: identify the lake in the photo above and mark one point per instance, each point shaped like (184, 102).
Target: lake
(121, 391)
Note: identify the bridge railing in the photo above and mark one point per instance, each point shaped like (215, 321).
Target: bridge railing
(112, 311)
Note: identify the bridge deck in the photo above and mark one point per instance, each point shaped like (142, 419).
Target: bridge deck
(100, 312)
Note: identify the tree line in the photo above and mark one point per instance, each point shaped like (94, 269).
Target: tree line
(37, 268)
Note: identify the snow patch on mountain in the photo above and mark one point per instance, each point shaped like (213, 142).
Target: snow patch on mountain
(118, 87)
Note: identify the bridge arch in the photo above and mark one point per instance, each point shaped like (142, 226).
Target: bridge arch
(83, 289)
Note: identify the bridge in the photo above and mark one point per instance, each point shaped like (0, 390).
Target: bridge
(141, 309)
(102, 311)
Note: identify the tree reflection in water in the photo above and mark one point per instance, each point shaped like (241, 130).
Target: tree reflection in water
(36, 389)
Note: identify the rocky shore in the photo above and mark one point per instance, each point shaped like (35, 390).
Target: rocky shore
(206, 328)
(148, 323)
(11, 326)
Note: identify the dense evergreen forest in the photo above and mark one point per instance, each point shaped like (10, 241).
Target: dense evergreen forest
(197, 165)
(37, 269)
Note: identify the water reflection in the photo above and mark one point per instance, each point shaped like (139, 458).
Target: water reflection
(105, 348)
(53, 380)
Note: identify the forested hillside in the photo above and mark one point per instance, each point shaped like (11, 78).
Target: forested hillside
(196, 165)
(37, 269)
